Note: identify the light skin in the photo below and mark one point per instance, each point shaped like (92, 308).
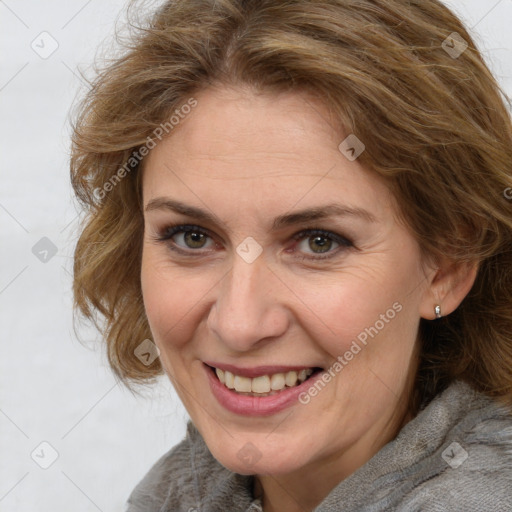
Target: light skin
(247, 159)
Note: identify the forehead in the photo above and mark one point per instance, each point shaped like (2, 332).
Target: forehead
(238, 146)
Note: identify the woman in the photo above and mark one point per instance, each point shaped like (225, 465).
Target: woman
(298, 212)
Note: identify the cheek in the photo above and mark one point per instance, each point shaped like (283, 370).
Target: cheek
(367, 310)
(350, 300)
(174, 299)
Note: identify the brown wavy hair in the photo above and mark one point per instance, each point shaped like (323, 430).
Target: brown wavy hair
(435, 125)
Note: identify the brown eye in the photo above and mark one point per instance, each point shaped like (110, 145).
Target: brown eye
(195, 240)
(186, 238)
(319, 243)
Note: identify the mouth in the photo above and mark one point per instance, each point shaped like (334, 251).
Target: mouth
(263, 385)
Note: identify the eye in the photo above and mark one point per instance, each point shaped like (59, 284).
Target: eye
(194, 239)
(316, 244)
(323, 244)
(186, 238)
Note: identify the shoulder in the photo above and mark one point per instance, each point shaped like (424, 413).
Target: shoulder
(471, 469)
(470, 490)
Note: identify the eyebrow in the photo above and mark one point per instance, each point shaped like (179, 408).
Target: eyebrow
(289, 219)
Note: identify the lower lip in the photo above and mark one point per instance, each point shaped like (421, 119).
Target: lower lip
(255, 405)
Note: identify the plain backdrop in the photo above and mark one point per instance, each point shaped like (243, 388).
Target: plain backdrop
(71, 437)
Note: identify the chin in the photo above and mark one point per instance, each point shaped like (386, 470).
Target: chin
(248, 460)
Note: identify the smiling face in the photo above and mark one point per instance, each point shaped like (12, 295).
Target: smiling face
(265, 246)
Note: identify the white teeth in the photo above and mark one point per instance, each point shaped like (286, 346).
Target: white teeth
(230, 380)
(263, 384)
(277, 381)
(291, 379)
(220, 374)
(242, 384)
(302, 375)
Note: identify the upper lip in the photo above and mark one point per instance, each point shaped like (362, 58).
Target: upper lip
(257, 371)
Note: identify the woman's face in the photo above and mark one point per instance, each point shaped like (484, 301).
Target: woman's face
(289, 256)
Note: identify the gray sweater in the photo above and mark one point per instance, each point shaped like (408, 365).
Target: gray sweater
(455, 455)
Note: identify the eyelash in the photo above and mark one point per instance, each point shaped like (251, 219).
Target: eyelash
(166, 234)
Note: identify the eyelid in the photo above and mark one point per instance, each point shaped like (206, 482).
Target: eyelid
(342, 240)
(170, 230)
(166, 234)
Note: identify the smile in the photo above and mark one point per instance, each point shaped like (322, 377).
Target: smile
(264, 385)
(262, 399)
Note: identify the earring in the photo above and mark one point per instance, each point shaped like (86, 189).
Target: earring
(437, 311)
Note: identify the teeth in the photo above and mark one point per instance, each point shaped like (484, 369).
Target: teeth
(291, 379)
(230, 380)
(302, 375)
(260, 384)
(277, 381)
(242, 384)
(220, 374)
(264, 384)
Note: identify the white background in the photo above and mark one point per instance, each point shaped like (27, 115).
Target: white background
(53, 388)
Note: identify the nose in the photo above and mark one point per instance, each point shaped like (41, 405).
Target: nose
(248, 311)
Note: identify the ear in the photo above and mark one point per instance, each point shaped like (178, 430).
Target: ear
(449, 284)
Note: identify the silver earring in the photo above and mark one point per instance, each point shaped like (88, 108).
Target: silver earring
(437, 311)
